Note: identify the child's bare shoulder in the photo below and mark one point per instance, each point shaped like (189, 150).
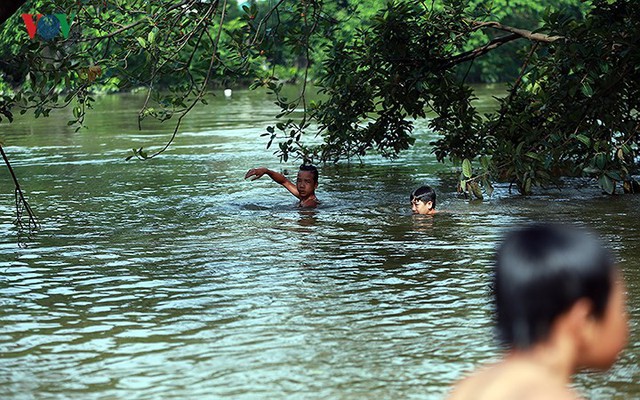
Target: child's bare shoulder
(500, 382)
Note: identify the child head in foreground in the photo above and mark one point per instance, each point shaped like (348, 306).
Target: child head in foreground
(423, 200)
(560, 308)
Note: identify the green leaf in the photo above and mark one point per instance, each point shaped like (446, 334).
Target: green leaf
(527, 186)
(488, 188)
(584, 139)
(601, 161)
(615, 175)
(151, 37)
(590, 170)
(606, 184)
(533, 155)
(466, 168)
(484, 161)
(142, 42)
(586, 89)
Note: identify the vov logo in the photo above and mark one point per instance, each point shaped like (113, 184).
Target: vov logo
(47, 26)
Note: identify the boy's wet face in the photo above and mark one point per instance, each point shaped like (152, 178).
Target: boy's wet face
(305, 184)
(421, 207)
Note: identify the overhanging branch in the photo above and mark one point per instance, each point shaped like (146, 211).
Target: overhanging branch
(523, 33)
(477, 52)
(514, 34)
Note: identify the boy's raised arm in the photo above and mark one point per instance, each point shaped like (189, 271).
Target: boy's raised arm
(277, 177)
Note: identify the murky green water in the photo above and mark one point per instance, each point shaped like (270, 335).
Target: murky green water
(177, 279)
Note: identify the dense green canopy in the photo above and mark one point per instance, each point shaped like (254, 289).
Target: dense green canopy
(572, 73)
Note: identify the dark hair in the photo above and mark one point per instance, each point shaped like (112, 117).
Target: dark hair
(313, 169)
(541, 271)
(424, 193)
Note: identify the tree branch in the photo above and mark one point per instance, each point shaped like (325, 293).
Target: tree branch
(133, 24)
(21, 202)
(203, 87)
(515, 33)
(526, 34)
(475, 53)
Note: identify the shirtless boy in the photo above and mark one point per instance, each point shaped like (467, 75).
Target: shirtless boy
(560, 308)
(304, 189)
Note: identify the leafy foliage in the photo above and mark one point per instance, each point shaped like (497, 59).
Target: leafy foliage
(173, 49)
(576, 111)
(571, 109)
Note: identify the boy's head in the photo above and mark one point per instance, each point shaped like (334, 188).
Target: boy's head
(542, 272)
(310, 168)
(307, 181)
(423, 200)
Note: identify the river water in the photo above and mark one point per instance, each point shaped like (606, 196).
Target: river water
(175, 278)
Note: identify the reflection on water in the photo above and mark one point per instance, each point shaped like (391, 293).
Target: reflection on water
(307, 218)
(176, 278)
(424, 223)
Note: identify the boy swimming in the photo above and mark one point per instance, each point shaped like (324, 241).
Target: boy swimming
(304, 189)
(423, 200)
(560, 307)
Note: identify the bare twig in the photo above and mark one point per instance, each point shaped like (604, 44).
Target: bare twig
(264, 21)
(22, 205)
(133, 24)
(523, 33)
(203, 88)
(514, 34)
(477, 52)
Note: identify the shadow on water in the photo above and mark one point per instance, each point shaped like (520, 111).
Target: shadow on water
(177, 278)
